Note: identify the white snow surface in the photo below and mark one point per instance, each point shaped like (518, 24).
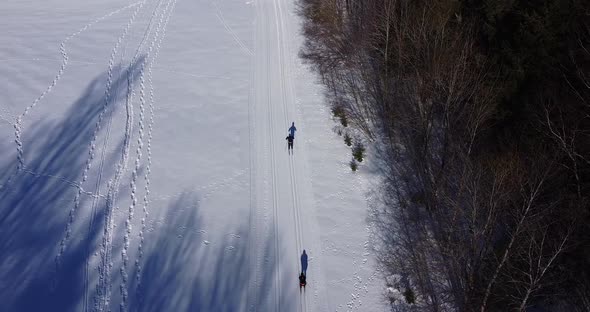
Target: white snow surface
(144, 165)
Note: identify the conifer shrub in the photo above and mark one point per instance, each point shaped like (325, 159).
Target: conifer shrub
(347, 139)
(358, 151)
(353, 165)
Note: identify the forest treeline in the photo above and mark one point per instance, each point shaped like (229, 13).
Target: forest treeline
(479, 115)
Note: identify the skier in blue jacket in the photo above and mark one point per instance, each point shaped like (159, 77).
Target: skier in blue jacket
(292, 130)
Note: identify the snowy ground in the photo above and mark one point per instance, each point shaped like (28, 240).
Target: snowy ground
(144, 164)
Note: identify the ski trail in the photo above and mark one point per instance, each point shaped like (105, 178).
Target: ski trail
(274, 192)
(129, 97)
(300, 181)
(168, 13)
(230, 30)
(287, 97)
(285, 105)
(92, 145)
(267, 182)
(164, 15)
(107, 240)
(125, 258)
(103, 290)
(285, 102)
(64, 180)
(274, 172)
(164, 69)
(268, 92)
(287, 181)
(257, 171)
(253, 239)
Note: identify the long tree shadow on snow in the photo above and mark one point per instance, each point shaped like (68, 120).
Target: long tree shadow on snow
(185, 272)
(34, 205)
(180, 271)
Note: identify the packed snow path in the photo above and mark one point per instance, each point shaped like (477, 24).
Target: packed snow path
(280, 181)
(144, 165)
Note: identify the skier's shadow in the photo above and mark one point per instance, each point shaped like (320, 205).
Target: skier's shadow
(304, 262)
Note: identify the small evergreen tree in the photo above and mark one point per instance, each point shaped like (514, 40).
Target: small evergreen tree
(358, 151)
(343, 120)
(347, 139)
(409, 296)
(353, 165)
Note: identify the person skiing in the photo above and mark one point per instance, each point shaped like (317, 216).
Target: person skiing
(302, 282)
(292, 130)
(290, 142)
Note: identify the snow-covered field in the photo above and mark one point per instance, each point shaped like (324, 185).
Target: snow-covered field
(144, 164)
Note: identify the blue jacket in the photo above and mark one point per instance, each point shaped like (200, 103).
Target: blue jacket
(292, 130)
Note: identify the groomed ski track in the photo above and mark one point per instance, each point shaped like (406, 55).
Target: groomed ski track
(116, 221)
(283, 207)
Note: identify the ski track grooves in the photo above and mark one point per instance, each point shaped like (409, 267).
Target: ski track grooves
(280, 74)
(64, 180)
(260, 169)
(72, 213)
(253, 240)
(103, 289)
(274, 188)
(230, 30)
(267, 177)
(271, 28)
(130, 94)
(285, 88)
